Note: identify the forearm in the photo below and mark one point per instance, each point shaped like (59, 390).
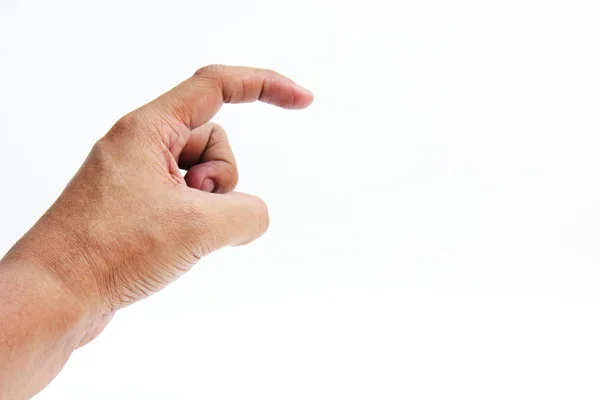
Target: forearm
(41, 324)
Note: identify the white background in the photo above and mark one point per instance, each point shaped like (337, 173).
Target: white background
(435, 214)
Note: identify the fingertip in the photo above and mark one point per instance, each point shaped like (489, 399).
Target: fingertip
(251, 215)
(303, 97)
(208, 185)
(283, 92)
(214, 176)
(196, 178)
(305, 90)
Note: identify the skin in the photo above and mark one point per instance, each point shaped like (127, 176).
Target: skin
(129, 223)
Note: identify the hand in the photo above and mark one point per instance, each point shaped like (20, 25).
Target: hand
(129, 223)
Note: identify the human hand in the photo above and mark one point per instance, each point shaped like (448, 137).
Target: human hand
(129, 223)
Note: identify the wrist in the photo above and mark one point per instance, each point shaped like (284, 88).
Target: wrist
(57, 257)
(76, 319)
(24, 281)
(42, 324)
(50, 263)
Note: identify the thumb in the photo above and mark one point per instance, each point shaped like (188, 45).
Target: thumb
(196, 100)
(232, 219)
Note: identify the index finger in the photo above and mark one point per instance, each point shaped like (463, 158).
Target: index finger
(196, 100)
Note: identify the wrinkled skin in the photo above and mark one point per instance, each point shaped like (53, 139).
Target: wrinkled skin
(129, 223)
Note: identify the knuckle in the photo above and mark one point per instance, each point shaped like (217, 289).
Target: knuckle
(101, 147)
(217, 130)
(194, 222)
(212, 70)
(218, 137)
(192, 215)
(126, 123)
(227, 176)
(103, 154)
(235, 176)
(197, 227)
(130, 125)
(227, 168)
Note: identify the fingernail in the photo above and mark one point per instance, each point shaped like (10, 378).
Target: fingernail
(208, 185)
